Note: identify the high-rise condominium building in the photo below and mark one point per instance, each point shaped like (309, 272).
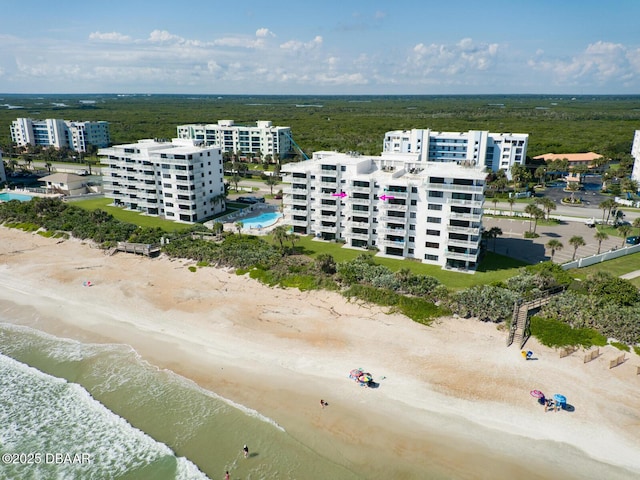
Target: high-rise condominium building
(493, 151)
(178, 180)
(400, 203)
(635, 153)
(57, 133)
(259, 139)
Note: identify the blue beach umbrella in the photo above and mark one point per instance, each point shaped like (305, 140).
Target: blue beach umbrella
(560, 399)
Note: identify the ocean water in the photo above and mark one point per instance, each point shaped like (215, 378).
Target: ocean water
(71, 410)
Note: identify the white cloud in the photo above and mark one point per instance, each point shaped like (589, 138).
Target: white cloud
(452, 59)
(296, 45)
(264, 32)
(161, 36)
(601, 63)
(109, 37)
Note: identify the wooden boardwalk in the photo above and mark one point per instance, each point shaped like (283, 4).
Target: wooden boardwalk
(519, 332)
(139, 248)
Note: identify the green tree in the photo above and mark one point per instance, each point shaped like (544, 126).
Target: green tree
(235, 179)
(326, 263)
(541, 174)
(576, 241)
(547, 204)
(624, 230)
(239, 224)
(607, 207)
(272, 181)
(511, 201)
(600, 237)
(636, 224)
(573, 187)
(494, 233)
(280, 234)
(535, 213)
(554, 245)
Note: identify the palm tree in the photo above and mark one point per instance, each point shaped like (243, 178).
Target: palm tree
(607, 206)
(220, 198)
(511, 201)
(235, 179)
(573, 187)
(624, 230)
(576, 241)
(554, 245)
(535, 213)
(495, 205)
(600, 237)
(547, 204)
(272, 181)
(541, 174)
(293, 238)
(280, 234)
(636, 224)
(239, 224)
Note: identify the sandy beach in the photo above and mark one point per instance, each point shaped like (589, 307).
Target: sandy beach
(451, 398)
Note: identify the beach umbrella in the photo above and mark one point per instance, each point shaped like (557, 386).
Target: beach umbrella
(355, 373)
(561, 399)
(365, 378)
(536, 394)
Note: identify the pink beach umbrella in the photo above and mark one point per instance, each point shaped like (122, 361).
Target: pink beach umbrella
(536, 394)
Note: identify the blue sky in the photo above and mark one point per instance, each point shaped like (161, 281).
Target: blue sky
(321, 47)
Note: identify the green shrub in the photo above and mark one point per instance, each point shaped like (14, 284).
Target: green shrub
(554, 333)
(193, 268)
(621, 346)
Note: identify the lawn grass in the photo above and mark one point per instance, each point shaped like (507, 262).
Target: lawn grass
(616, 267)
(493, 268)
(128, 216)
(554, 333)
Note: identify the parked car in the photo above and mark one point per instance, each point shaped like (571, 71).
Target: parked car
(633, 240)
(250, 200)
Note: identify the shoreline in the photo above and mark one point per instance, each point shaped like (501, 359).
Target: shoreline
(454, 399)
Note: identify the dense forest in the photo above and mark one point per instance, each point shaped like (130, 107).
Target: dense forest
(559, 124)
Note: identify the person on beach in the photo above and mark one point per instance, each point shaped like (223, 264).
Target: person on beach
(323, 403)
(245, 449)
(226, 475)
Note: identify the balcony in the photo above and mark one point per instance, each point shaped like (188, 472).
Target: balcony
(467, 230)
(391, 243)
(298, 223)
(475, 217)
(465, 203)
(352, 188)
(398, 232)
(462, 256)
(463, 243)
(326, 218)
(297, 201)
(352, 224)
(387, 218)
(449, 187)
(294, 191)
(359, 201)
(395, 194)
(358, 236)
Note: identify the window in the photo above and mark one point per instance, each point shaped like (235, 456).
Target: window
(434, 220)
(433, 232)
(436, 193)
(431, 257)
(432, 245)
(434, 206)
(414, 203)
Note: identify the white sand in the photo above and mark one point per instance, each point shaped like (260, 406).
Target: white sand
(454, 398)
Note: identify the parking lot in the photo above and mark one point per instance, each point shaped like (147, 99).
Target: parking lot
(532, 250)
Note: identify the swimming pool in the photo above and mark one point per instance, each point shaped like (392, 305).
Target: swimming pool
(5, 197)
(262, 220)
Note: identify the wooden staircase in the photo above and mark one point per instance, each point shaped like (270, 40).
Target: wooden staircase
(519, 331)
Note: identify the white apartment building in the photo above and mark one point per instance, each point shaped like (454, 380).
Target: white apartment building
(262, 138)
(493, 151)
(54, 132)
(179, 180)
(399, 203)
(635, 153)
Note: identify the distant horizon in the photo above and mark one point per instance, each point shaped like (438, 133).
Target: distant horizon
(146, 94)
